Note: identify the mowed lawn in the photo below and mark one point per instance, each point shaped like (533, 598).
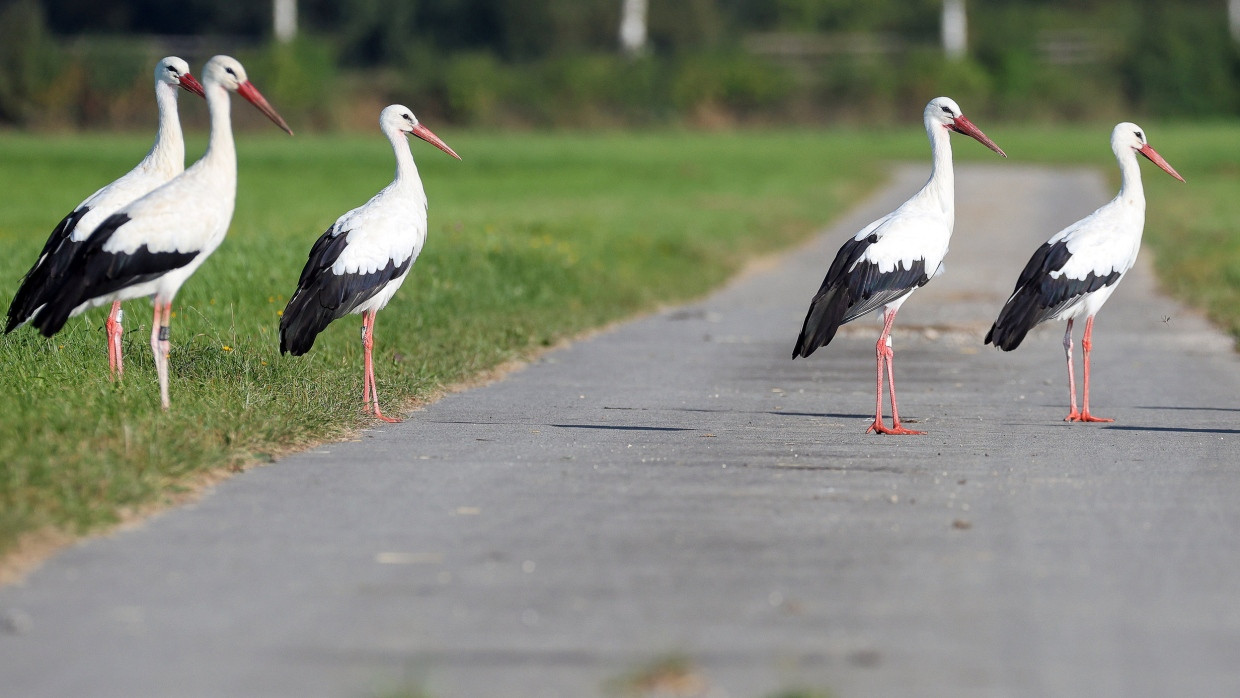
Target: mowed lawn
(533, 238)
(1192, 229)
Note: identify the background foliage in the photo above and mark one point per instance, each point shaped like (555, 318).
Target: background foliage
(546, 63)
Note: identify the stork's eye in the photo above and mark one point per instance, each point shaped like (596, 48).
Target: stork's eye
(231, 72)
(947, 111)
(1139, 136)
(408, 117)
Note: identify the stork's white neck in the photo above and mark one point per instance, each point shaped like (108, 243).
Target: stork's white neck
(167, 155)
(221, 155)
(1131, 190)
(406, 170)
(940, 190)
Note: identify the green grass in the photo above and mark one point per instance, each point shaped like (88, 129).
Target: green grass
(533, 237)
(1193, 228)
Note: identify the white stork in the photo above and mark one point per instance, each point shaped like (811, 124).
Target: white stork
(165, 161)
(1075, 272)
(895, 255)
(151, 246)
(357, 265)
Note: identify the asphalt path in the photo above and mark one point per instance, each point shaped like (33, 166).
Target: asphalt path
(678, 490)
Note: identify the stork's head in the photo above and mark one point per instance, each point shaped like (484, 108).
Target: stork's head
(397, 118)
(227, 72)
(1128, 137)
(944, 112)
(175, 71)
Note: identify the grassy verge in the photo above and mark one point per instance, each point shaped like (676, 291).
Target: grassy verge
(533, 237)
(1193, 229)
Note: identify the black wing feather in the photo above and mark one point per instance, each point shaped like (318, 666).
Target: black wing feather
(323, 296)
(1039, 297)
(94, 272)
(47, 271)
(852, 289)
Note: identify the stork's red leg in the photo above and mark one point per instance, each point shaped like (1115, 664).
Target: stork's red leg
(891, 382)
(1073, 414)
(115, 365)
(369, 390)
(160, 347)
(1087, 344)
(366, 400)
(879, 351)
(120, 329)
(885, 354)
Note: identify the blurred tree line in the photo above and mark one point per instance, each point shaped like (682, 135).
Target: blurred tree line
(534, 63)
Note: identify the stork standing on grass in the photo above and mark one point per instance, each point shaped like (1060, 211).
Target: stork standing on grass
(165, 161)
(357, 265)
(882, 265)
(154, 244)
(1077, 270)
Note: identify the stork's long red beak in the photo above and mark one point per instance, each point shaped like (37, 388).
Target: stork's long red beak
(425, 134)
(961, 124)
(251, 93)
(1157, 159)
(190, 84)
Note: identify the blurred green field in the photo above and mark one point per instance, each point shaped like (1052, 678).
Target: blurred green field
(1192, 229)
(533, 237)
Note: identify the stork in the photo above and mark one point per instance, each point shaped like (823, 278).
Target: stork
(357, 265)
(151, 246)
(165, 160)
(881, 266)
(1076, 271)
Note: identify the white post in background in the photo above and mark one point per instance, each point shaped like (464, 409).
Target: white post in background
(1233, 18)
(956, 29)
(633, 27)
(284, 20)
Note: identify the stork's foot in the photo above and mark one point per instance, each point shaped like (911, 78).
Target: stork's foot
(879, 428)
(1075, 416)
(374, 412)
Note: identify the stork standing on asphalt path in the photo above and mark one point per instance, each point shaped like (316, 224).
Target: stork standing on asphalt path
(165, 161)
(882, 265)
(357, 265)
(151, 246)
(1078, 269)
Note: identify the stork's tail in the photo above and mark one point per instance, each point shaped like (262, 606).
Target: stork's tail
(25, 304)
(302, 321)
(1019, 315)
(826, 314)
(59, 306)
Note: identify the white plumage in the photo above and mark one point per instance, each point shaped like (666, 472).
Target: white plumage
(1074, 273)
(152, 245)
(360, 262)
(882, 265)
(165, 160)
